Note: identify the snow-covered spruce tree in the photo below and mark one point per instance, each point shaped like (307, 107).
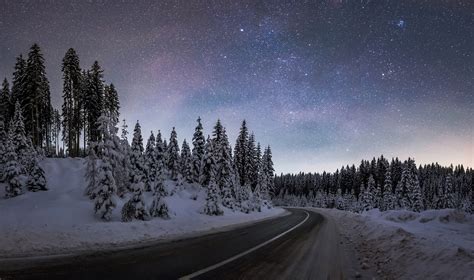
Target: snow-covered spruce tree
(150, 163)
(37, 180)
(199, 143)
(173, 156)
(225, 174)
(269, 170)
(369, 201)
(245, 195)
(378, 198)
(159, 208)
(256, 199)
(160, 156)
(186, 162)
(241, 153)
(209, 162)
(137, 161)
(212, 206)
(15, 174)
(109, 153)
(252, 161)
(467, 203)
(262, 183)
(414, 190)
(449, 200)
(72, 118)
(123, 165)
(388, 197)
(92, 171)
(3, 150)
(403, 187)
(18, 137)
(340, 203)
(135, 206)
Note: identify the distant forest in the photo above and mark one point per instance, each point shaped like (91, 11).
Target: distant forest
(380, 184)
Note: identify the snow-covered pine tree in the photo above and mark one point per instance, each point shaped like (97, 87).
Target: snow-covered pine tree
(241, 153)
(109, 166)
(93, 99)
(92, 171)
(378, 198)
(159, 208)
(388, 197)
(173, 156)
(135, 206)
(123, 165)
(225, 174)
(414, 190)
(245, 196)
(340, 203)
(449, 200)
(150, 163)
(186, 162)
(199, 143)
(137, 162)
(269, 170)
(35, 99)
(252, 161)
(160, 154)
(18, 137)
(111, 100)
(209, 163)
(15, 173)
(72, 118)
(3, 149)
(403, 187)
(212, 206)
(18, 84)
(37, 180)
(467, 203)
(5, 103)
(104, 200)
(256, 199)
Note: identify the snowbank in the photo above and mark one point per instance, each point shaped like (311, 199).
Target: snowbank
(61, 220)
(435, 244)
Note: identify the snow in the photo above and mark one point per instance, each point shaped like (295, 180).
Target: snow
(61, 220)
(435, 244)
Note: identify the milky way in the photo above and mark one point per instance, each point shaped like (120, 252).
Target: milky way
(325, 83)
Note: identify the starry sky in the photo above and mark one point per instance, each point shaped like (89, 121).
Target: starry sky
(325, 83)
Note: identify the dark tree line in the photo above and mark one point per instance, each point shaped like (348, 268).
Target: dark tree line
(30, 88)
(85, 97)
(381, 184)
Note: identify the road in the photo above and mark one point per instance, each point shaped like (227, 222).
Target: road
(302, 245)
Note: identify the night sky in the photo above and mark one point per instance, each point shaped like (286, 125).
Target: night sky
(325, 83)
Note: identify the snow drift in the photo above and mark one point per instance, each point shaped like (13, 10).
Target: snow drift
(434, 244)
(62, 221)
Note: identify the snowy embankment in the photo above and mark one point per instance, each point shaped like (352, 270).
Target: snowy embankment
(435, 244)
(61, 220)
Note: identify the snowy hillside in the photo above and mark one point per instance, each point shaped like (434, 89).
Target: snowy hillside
(61, 220)
(398, 244)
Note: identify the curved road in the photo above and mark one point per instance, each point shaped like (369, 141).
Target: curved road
(296, 246)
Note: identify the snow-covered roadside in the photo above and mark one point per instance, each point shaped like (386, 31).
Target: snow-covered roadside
(435, 244)
(61, 220)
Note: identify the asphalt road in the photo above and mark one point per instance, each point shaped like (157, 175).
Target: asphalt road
(301, 251)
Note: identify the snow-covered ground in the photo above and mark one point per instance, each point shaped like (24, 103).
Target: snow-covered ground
(435, 244)
(62, 221)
